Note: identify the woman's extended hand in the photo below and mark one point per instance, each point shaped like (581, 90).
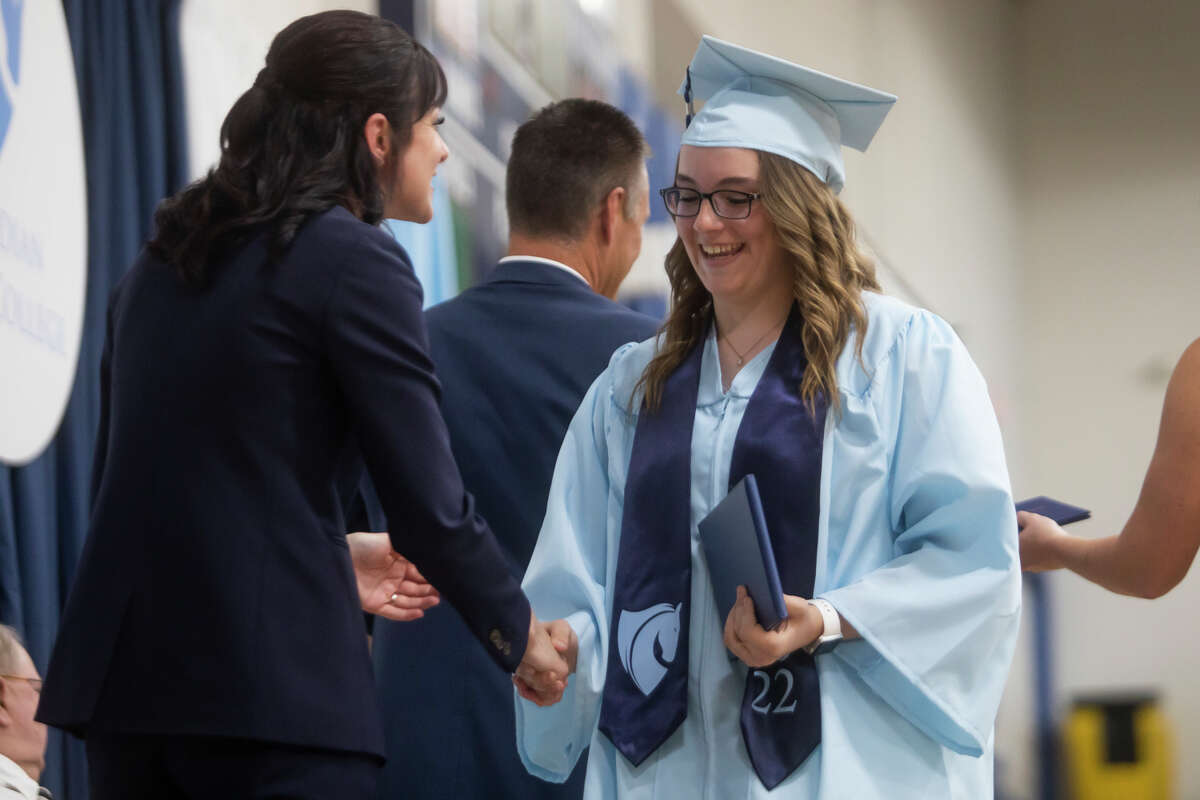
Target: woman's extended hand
(388, 584)
(758, 647)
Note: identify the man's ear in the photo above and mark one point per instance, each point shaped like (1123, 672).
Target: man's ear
(612, 211)
(378, 133)
(6, 719)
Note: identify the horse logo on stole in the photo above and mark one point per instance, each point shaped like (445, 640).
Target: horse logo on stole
(647, 642)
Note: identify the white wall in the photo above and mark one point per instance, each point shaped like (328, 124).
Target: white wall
(1112, 254)
(222, 57)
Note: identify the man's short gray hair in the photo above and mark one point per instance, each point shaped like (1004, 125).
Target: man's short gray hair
(565, 161)
(10, 645)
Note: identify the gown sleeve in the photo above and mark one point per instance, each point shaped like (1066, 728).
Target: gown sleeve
(568, 578)
(939, 621)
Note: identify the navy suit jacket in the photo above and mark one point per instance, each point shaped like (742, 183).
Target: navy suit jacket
(515, 355)
(215, 593)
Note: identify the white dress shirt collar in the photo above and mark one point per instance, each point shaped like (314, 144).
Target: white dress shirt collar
(15, 782)
(549, 261)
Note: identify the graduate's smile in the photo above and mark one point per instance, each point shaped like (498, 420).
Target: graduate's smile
(721, 252)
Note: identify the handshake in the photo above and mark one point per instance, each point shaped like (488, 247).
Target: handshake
(391, 586)
(550, 657)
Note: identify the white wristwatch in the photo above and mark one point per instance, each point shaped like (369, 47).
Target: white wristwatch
(833, 628)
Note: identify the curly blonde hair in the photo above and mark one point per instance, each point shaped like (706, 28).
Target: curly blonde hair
(830, 275)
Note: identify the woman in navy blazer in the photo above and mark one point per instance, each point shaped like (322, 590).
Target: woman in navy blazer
(266, 344)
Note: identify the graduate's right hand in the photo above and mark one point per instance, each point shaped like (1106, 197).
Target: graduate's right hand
(541, 677)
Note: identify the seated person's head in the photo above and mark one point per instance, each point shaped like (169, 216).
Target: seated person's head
(578, 171)
(22, 739)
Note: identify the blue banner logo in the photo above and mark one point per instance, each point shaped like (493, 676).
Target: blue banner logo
(10, 62)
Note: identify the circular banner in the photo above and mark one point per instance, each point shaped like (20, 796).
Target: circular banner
(43, 226)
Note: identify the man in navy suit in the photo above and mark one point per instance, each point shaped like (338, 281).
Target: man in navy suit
(515, 356)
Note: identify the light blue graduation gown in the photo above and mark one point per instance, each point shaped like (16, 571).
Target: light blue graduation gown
(917, 549)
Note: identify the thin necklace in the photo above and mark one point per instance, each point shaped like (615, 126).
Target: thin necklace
(741, 357)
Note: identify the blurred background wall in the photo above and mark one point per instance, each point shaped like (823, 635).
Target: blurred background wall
(1038, 185)
(1110, 245)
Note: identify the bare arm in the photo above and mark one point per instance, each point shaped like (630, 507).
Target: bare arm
(1157, 545)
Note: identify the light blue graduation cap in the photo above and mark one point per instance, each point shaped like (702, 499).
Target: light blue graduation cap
(761, 102)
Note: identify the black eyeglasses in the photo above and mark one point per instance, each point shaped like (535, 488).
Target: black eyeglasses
(726, 203)
(36, 683)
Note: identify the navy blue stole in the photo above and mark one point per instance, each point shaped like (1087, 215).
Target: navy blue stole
(779, 441)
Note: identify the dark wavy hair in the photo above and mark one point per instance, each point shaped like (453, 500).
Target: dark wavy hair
(293, 146)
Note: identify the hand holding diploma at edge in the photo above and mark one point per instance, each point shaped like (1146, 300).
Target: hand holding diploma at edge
(1040, 521)
(1154, 550)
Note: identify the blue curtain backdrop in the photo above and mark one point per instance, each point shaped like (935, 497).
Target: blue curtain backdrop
(128, 68)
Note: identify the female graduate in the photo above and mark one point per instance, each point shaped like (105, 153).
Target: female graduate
(883, 485)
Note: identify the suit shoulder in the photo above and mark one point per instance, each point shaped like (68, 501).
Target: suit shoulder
(640, 326)
(339, 234)
(146, 267)
(625, 326)
(465, 317)
(452, 307)
(616, 319)
(145, 263)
